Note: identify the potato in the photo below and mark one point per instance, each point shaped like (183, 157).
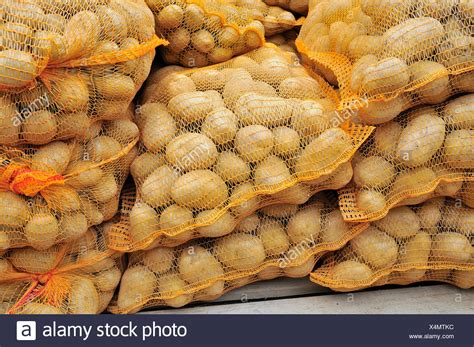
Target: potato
(198, 266)
(158, 127)
(351, 271)
(448, 188)
(220, 126)
(82, 33)
(178, 40)
(83, 297)
(105, 189)
(175, 216)
(156, 189)
(280, 210)
(83, 175)
(272, 171)
(114, 23)
(38, 308)
(240, 251)
(377, 248)
(191, 151)
(9, 130)
(378, 112)
(274, 238)
(191, 106)
(322, 152)
(300, 270)
(451, 247)
(103, 147)
(386, 138)
(71, 226)
(220, 55)
(400, 222)
(72, 93)
(437, 90)
(300, 87)
(95, 260)
(208, 79)
(199, 189)
(144, 221)
(108, 279)
(172, 284)
(297, 194)
(115, 86)
(364, 45)
(414, 179)
(429, 214)
(222, 226)
(309, 118)
(385, 76)
(459, 112)
(17, 69)
(42, 230)
(40, 127)
(169, 17)
(305, 225)
(416, 251)
(145, 164)
(269, 273)
(373, 172)
(203, 41)
(137, 284)
(287, 141)
(335, 229)
(254, 34)
(254, 142)
(33, 261)
(231, 168)
(421, 139)
(249, 201)
(413, 39)
(459, 149)
(248, 224)
(253, 108)
(464, 279)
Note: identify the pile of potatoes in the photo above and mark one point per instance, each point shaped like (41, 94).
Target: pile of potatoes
(83, 279)
(426, 152)
(216, 142)
(407, 246)
(53, 84)
(91, 174)
(413, 56)
(279, 240)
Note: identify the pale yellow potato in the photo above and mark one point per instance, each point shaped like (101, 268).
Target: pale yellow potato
(273, 235)
(287, 141)
(351, 271)
(194, 16)
(459, 149)
(373, 172)
(221, 226)
(145, 164)
(38, 308)
(451, 247)
(144, 221)
(254, 142)
(253, 108)
(220, 55)
(102, 148)
(363, 45)
(448, 188)
(386, 138)
(156, 188)
(88, 241)
(299, 270)
(421, 138)
(335, 229)
(113, 24)
(95, 260)
(459, 112)
(228, 36)
(430, 214)
(379, 112)
(71, 226)
(170, 17)
(203, 41)
(208, 79)
(53, 156)
(115, 86)
(200, 189)
(248, 224)
(71, 93)
(158, 127)
(280, 210)
(191, 151)
(387, 75)
(169, 84)
(220, 125)
(270, 273)
(137, 284)
(108, 279)
(400, 222)
(159, 259)
(250, 202)
(33, 261)
(437, 90)
(197, 265)
(240, 251)
(178, 40)
(310, 118)
(254, 34)
(105, 189)
(9, 122)
(190, 106)
(376, 248)
(416, 251)
(175, 216)
(300, 88)
(231, 168)
(414, 179)
(17, 69)
(169, 286)
(271, 171)
(305, 225)
(83, 297)
(83, 174)
(40, 127)
(297, 194)
(82, 33)
(465, 222)
(370, 201)
(42, 231)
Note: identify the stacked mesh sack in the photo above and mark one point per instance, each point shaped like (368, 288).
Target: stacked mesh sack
(433, 241)
(387, 56)
(66, 64)
(74, 278)
(221, 142)
(423, 153)
(206, 32)
(280, 240)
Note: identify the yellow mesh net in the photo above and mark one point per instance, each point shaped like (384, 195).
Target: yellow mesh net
(53, 193)
(66, 64)
(428, 242)
(218, 143)
(297, 6)
(390, 55)
(426, 152)
(74, 278)
(280, 240)
(206, 32)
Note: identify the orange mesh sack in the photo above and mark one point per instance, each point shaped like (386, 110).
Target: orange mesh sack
(66, 64)
(53, 193)
(390, 55)
(428, 242)
(75, 278)
(424, 153)
(281, 240)
(218, 143)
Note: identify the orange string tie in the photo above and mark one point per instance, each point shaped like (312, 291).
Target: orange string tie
(25, 181)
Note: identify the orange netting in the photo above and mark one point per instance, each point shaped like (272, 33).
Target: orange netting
(222, 141)
(53, 193)
(67, 64)
(429, 242)
(389, 55)
(73, 278)
(280, 240)
(426, 152)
